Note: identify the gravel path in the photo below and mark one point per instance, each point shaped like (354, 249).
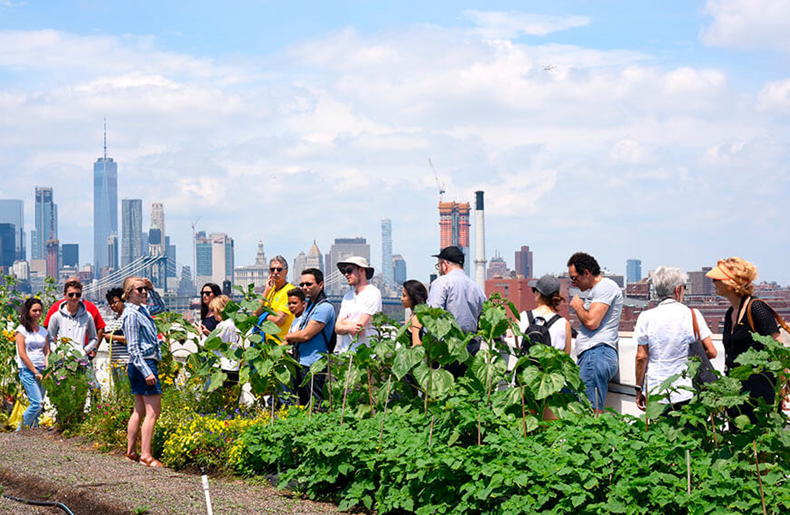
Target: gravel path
(38, 464)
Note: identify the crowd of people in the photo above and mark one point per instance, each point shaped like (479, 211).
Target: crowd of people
(306, 320)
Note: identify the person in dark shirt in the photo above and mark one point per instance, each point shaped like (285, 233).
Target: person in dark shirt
(207, 320)
(733, 279)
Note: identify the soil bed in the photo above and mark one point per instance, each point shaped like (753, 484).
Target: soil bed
(40, 465)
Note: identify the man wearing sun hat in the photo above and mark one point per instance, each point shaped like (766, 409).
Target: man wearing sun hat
(358, 306)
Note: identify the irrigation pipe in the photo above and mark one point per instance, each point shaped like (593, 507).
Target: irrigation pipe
(40, 503)
(204, 478)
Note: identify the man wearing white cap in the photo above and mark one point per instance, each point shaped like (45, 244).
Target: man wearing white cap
(358, 306)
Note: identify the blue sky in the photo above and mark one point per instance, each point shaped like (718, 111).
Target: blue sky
(628, 129)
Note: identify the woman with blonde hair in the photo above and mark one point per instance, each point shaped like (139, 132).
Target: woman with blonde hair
(228, 334)
(144, 356)
(733, 278)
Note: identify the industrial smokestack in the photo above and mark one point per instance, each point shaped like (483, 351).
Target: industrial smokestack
(480, 241)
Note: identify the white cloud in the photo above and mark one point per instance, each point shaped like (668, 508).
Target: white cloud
(511, 25)
(759, 24)
(775, 97)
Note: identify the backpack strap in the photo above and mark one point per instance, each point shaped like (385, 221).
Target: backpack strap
(552, 320)
(530, 317)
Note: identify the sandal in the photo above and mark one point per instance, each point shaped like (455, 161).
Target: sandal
(151, 462)
(132, 456)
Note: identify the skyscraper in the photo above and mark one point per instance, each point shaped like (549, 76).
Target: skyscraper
(7, 246)
(341, 249)
(158, 217)
(524, 262)
(215, 258)
(46, 222)
(300, 263)
(386, 251)
(399, 269)
(112, 251)
(314, 258)
(105, 206)
(633, 270)
(70, 254)
(132, 225)
(13, 212)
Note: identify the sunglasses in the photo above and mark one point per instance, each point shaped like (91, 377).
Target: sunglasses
(207, 292)
(305, 284)
(73, 295)
(141, 289)
(348, 271)
(276, 269)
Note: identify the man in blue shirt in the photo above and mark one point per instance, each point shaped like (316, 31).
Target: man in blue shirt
(455, 292)
(315, 335)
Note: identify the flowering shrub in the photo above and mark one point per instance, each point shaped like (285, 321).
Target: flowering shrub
(67, 388)
(208, 440)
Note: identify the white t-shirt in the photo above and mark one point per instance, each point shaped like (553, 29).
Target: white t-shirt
(556, 331)
(367, 302)
(34, 346)
(667, 330)
(228, 334)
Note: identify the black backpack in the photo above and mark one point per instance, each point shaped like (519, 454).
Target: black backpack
(537, 332)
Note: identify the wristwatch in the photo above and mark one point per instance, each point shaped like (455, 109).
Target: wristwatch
(638, 389)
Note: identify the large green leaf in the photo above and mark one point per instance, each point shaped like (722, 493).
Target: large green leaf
(493, 321)
(217, 378)
(433, 381)
(405, 359)
(488, 368)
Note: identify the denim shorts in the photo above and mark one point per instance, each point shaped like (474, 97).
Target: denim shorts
(598, 366)
(137, 380)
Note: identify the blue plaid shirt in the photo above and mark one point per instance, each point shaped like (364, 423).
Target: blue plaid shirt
(140, 332)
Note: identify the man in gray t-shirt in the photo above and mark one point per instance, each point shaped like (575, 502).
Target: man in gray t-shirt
(599, 315)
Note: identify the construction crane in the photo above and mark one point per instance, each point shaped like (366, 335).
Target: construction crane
(438, 182)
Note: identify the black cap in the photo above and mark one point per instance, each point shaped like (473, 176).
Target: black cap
(452, 254)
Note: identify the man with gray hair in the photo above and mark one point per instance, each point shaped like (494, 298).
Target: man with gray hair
(275, 297)
(664, 335)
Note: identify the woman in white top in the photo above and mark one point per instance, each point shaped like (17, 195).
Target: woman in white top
(228, 333)
(32, 351)
(663, 335)
(548, 297)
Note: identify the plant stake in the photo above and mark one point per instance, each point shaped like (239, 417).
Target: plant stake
(381, 431)
(310, 409)
(688, 470)
(430, 433)
(345, 389)
(329, 377)
(759, 477)
(523, 412)
(478, 429)
(370, 394)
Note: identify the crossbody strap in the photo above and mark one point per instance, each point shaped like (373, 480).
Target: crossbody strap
(779, 320)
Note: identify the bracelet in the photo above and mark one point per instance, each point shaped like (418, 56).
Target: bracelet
(638, 389)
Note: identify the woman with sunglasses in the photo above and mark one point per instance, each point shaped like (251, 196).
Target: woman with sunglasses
(144, 356)
(73, 322)
(207, 320)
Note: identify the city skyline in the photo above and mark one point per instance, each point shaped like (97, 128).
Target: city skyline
(622, 129)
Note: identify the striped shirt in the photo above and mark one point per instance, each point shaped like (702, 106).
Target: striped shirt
(141, 341)
(119, 354)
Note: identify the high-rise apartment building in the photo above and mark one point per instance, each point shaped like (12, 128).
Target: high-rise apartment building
(105, 206)
(524, 262)
(399, 275)
(46, 222)
(633, 270)
(215, 258)
(53, 249)
(132, 225)
(12, 211)
(386, 251)
(454, 226)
